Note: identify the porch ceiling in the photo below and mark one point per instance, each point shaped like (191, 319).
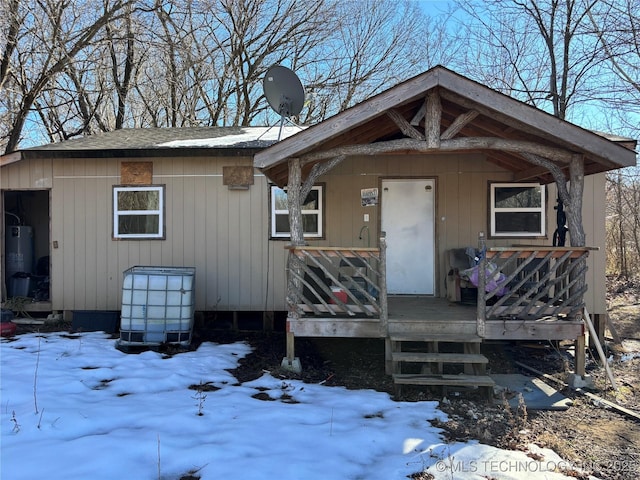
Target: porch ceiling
(499, 116)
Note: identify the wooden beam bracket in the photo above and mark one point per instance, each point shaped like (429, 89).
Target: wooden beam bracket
(458, 124)
(404, 126)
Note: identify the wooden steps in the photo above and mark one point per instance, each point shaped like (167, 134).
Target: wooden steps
(440, 380)
(438, 337)
(450, 361)
(433, 357)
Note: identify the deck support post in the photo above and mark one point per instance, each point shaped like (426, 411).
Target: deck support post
(382, 282)
(599, 322)
(580, 355)
(389, 347)
(482, 281)
(291, 362)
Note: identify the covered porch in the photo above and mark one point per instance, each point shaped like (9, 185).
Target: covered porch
(341, 292)
(463, 142)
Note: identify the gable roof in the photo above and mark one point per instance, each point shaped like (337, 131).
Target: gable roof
(146, 142)
(499, 116)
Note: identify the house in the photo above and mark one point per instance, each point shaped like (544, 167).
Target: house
(211, 212)
(389, 193)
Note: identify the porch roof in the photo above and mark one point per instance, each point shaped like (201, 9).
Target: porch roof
(498, 117)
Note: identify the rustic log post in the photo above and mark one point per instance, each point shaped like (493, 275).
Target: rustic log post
(294, 202)
(574, 219)
(482, 282)
(571, 197)
(405, 127)
(433, 119)
(573, 211)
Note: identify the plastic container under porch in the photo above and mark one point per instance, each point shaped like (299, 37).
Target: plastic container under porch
(158, 306)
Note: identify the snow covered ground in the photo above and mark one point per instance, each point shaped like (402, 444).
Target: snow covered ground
(75, 407)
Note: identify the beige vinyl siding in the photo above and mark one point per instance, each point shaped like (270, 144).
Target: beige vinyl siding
(593, 217)
(462, 183)
(84, 266)
(593, 221)
(461, 198)
(224, 233)
(30, 174)
(461, 201)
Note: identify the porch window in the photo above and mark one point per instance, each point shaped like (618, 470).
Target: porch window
(517, 210)
(312, 213)
(138, 212)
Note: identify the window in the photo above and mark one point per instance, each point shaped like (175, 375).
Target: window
(517, 210)
(138, 212)
(312, 213)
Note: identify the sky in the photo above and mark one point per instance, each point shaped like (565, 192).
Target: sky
(76, 407)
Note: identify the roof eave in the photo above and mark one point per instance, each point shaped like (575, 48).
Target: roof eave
(10, 158)
(576, 138)
(352, 117)
(129, 153)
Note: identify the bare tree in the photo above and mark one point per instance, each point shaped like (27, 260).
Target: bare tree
(541, 51)
(90, 94)
(47, 37)
(623, 223)
(75, 69)
(121, 79)
(10, 30)
(376, 44)
(617, 26)
(261, 34)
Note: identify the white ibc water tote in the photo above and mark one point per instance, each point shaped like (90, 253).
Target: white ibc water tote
(158, 304)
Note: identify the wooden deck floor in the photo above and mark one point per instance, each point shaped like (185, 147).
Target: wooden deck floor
(411, 307)
(423, 315)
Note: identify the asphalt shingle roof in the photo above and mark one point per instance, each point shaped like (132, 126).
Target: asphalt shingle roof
(172, 138)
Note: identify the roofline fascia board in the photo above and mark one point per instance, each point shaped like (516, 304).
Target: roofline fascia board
(124, 153)
(10, 158)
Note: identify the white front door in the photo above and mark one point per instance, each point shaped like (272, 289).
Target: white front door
(408, 218)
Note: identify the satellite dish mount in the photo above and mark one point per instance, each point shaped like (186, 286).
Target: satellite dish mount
(284, 92)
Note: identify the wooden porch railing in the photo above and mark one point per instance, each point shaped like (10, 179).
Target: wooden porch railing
(531, 283)
(518, 283)
(336, 281)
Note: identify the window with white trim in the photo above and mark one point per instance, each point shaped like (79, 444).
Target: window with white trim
(312, 213)
(517, 210)
(138, 212)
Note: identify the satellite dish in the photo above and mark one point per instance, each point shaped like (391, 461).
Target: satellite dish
(284, 92)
